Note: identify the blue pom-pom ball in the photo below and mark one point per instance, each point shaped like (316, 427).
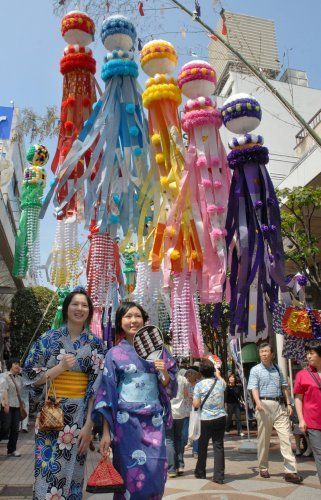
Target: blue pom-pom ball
(134, 131)
(130, 108)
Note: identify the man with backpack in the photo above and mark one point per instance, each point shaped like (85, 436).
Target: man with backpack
(273, 409)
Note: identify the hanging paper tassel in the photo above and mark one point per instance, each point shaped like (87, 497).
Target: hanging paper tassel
(257, 260)
(185, 321)
(58, 320)
(27, 256)
(65, 254)
(103, 270)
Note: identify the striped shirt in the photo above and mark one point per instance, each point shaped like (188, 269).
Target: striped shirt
(267, 381)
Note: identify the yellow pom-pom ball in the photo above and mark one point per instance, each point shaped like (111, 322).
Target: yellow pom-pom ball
(164, 181)
(175, 255)
(160, 158)
(156, 139)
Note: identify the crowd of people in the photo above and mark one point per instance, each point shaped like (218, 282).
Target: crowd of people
(143, 408)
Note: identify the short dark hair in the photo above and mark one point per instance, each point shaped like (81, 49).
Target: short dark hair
(265, 344)
(123, 309)
(207, 369)
(315, 346)
(11, 362)
(69, 298)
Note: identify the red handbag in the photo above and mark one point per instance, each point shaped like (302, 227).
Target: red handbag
(105, 479)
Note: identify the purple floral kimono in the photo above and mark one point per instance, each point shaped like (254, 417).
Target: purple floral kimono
(133, 400)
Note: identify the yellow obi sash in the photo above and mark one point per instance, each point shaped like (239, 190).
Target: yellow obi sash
(70, 385)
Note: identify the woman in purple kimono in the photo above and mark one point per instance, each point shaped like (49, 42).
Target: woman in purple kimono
(134, 399)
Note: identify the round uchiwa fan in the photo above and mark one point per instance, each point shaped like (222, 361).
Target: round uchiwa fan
(105, 479)
(149, 343)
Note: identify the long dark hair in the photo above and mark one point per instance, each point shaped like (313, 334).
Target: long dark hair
(69, 298)
(122, 310)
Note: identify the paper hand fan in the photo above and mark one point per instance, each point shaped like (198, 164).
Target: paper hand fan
(215, 360)
(149, 343)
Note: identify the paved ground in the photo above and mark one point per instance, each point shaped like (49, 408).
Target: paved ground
(242, 481)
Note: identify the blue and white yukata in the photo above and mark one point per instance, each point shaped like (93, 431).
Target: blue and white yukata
(137, 407)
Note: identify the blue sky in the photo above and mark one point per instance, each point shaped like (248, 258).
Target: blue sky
(32, 47)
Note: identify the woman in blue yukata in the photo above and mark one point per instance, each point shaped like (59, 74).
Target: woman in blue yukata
(134, 399)
(74, 358)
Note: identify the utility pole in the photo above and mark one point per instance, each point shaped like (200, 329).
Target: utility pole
(259, 74)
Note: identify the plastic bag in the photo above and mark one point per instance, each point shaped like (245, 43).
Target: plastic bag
(194, 428)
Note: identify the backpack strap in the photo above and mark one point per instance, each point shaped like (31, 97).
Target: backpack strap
(208, 394)
(315, 378)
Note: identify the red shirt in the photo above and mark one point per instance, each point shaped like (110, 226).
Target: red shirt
(311, 403)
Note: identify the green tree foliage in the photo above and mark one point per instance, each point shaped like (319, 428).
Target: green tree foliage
(216, 338)
(300, 208)
(36, 127)
(28, 307)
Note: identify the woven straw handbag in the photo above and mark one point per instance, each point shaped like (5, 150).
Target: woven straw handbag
(51, 417)
(105, 478)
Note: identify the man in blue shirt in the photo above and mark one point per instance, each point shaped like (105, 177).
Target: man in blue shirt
(270, 393)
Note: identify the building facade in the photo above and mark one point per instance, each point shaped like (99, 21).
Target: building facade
(255, 39)
(13, 153)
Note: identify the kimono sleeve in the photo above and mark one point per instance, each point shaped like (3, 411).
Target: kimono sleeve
(34, 368)
(106, 401)
(97, 365)
(171, 366)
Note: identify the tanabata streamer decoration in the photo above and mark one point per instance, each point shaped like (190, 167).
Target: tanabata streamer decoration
(103, 276)
(253, 218)
(175, 237)
(27, 253)
(297, 322)
(162, 98)
(298, 326)
(129, 256)
(115, 133)
(78, 68)
(207, 176)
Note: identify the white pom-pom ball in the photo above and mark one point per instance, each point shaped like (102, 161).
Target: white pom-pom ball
(241, 113)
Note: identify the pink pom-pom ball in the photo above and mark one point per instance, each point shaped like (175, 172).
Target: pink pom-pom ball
(197, 79)
(215, 162)
(216, 233)
(206, 183)
(201, 161)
